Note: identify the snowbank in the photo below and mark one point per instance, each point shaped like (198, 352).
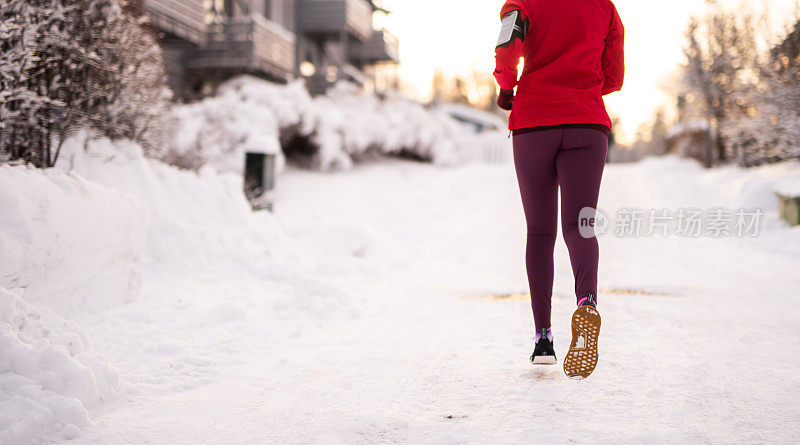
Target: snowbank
(753, 187)
(200, 224)
(48, 377)
(106, 215)
(193, 218)
(68, 242)
(76, 237)
(789, 187)
(250, 114)
(162, 191)
(673, 180)
(77, 240)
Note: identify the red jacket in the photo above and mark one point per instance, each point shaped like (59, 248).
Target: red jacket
(573, 52)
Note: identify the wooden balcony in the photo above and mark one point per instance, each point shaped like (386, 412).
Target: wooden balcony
(183, 18)
(273, 46)
(254, 44)
(330, 17)
(381, 46)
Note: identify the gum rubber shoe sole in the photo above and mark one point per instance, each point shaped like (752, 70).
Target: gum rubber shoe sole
(581, 359)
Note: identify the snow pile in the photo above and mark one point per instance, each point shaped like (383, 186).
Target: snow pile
(250, 114)
(70, 243)
(48, 378)
(789, 187)
(195, 220)
(77, 240)
(731, 186)
(199, 224)
(162, 191)
(753, 187)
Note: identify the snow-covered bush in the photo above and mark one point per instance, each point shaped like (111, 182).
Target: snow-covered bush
(333, 130)
(246, 115)
(394, 125)
(65, 63)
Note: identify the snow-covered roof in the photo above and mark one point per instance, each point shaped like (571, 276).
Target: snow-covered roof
(466, 113)
(688, 126)
(789, 187)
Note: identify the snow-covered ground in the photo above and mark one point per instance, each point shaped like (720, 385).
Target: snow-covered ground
(378, 305)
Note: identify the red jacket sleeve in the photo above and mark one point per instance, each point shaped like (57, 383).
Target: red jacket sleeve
(614, 55)
(509, 49)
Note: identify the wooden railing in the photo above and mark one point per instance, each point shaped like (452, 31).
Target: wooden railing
(333, 16)
(392, 46)
(273, 45)
(184, 18)
(255, 44)
(359, 18)
(381, 46)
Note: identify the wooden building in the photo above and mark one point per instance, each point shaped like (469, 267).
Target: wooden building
(787, 53)
(692, 139)
(208, 41)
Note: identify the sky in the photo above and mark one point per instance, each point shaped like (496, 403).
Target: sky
(458, 36)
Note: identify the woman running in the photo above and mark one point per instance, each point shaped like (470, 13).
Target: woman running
(573, 51)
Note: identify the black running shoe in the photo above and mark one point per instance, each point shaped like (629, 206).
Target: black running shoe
(543, 353)
(591, 300)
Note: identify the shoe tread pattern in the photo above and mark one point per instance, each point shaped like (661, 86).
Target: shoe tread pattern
(581, 359)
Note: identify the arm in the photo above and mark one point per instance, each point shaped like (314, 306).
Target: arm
(516, 21)
(613, 55)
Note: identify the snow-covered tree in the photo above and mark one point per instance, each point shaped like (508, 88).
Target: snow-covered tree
(137, 95)
(773, 119)
(33, 59)
(720, 49)
(749, 95)
(65, 63)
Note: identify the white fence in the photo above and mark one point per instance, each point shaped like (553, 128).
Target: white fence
(491, 147)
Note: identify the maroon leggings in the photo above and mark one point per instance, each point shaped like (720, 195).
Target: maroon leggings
(572, 158)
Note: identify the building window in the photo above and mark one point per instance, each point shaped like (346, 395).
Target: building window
(217, 10)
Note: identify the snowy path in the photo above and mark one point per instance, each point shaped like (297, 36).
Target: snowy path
(404, 346)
